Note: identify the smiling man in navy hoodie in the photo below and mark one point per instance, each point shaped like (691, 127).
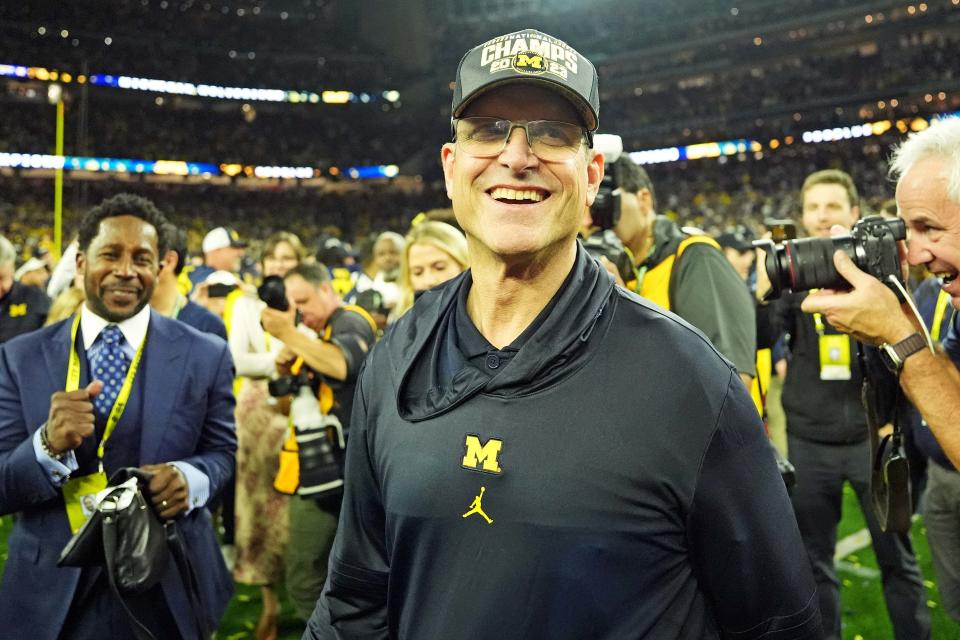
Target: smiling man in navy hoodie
(536, 453)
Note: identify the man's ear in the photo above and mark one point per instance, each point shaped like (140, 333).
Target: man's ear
(646, 198)
(595, 168)
(81, 262)
(447, 158)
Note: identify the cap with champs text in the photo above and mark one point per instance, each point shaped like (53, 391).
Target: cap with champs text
(529, 56)
(220, 238)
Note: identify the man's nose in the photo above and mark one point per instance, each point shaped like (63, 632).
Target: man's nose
(517, 152)
(917, 253)
(123, 267)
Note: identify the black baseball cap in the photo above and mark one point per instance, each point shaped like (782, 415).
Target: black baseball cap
(738, 239)
(529, 56)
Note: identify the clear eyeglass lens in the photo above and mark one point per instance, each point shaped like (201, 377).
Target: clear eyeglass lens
(549, 140)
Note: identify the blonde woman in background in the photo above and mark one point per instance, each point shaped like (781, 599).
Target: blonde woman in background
(435, 252)
(261, 512)
(65, 305)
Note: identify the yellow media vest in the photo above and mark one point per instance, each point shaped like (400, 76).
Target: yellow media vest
(656, 288)
(287, 479)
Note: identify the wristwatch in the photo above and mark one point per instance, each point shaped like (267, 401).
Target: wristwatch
(893, 355)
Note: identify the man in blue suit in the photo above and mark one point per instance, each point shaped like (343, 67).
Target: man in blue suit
(142, 391)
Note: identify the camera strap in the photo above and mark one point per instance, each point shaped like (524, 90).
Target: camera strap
(890, 488)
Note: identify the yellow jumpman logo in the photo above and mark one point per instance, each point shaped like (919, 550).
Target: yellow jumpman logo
(476, 508)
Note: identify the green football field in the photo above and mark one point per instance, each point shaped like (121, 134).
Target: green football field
(864, 612)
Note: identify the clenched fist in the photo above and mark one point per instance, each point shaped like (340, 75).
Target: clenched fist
(71, 417)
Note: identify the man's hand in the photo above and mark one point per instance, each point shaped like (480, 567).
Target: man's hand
(168, 490)
(870, 312)
(71, 417)
(279, 323)
(284, 360)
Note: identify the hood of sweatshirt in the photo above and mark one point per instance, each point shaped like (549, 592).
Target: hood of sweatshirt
(557, 348)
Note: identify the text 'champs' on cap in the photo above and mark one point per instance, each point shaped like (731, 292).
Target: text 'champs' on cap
(529, 56)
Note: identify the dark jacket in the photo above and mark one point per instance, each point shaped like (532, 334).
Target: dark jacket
(827, 411)
(627, 486)
(706, 291)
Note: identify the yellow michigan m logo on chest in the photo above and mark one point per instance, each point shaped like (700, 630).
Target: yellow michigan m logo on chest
(481, 456)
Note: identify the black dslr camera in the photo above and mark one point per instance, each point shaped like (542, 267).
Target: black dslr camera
(272, 291)
(290, 385)
(605, 210)
(801, 265)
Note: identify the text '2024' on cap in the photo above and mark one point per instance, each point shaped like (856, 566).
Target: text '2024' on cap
(529, 56)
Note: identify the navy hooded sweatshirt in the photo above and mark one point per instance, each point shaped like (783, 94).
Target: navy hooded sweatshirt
(610, 478)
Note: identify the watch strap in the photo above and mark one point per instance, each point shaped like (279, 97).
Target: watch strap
(906, 348)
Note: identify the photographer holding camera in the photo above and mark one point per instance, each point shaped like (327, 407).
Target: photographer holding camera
(827, 432)
(345, 333)
(927, 166)
(682, 269)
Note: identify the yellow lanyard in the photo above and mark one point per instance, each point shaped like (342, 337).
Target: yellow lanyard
(818, 320)
(178, 306)
(943, 301)
(73, 383)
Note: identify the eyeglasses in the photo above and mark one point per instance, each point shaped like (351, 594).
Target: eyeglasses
(487, 137)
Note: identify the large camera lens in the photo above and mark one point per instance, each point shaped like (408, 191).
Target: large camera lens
(274, 293)
(801, 265)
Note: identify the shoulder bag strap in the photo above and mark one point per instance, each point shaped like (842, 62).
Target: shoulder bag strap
(187, 576)
(110, 555)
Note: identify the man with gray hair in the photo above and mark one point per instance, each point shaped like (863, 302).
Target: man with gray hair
(927, 166)
(22, 308)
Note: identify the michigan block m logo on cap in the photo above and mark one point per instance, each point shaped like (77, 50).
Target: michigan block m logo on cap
(482, 457)
(528, 62)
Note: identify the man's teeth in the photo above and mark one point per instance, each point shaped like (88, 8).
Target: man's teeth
(503, 193)
(947, 277)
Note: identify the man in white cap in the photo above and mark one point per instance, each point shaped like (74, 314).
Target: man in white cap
(222, 251)
(535, 452)
(33, 273)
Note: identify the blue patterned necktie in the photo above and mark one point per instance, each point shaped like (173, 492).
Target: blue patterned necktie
(110, 366)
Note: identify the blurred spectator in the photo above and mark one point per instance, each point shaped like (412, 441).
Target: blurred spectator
(222, 251)
(167, 298)
(738, 248)
(64, 272)
(33, 273)
(334, 361)
(261, 512)
(65, 305)
(212, 292)
(386, 261)
(22, 308)
(434, 253)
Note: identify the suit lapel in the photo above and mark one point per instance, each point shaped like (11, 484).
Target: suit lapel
(163, 358)
(56, 354)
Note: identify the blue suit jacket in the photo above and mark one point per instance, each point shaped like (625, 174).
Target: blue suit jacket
(187, 415)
